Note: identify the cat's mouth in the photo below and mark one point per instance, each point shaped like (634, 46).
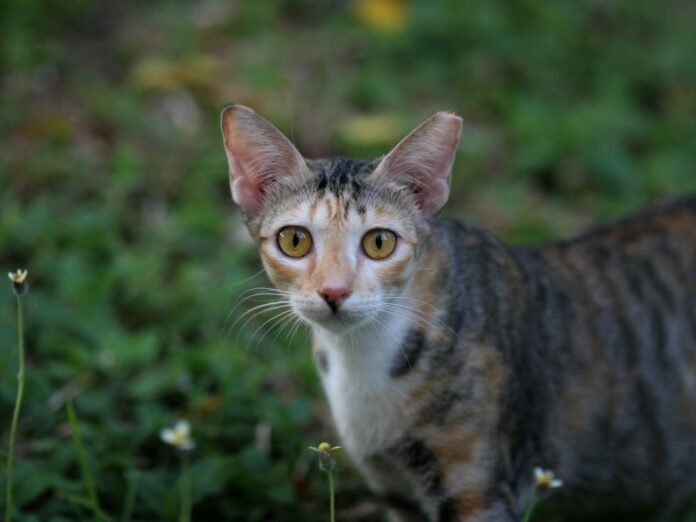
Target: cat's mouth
(340, 320)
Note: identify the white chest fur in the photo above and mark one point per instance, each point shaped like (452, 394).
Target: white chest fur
(368, 406)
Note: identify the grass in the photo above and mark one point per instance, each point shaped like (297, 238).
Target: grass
(113, 192)
(84, 465)
(186, 483)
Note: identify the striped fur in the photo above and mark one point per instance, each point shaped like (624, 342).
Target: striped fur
(461, 363)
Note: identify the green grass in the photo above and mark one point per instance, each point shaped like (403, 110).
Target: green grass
(113, 193)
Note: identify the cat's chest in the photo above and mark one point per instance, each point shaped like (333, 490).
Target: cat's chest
(369, 406)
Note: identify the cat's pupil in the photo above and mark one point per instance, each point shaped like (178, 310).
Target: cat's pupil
(295, 239)
(378, 241)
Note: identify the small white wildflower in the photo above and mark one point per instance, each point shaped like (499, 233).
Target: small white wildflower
(17, 277)
(545, 479)
(325, 448)
(179, 436)
(19, 282)
(326, 458)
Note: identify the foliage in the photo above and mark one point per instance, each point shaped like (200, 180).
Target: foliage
(113, 192)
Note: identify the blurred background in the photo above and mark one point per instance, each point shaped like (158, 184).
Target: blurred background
(114, 195)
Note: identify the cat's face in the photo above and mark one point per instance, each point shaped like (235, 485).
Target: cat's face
(343, 256)
(339, 237)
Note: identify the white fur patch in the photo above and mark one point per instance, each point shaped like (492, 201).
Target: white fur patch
(367, 406)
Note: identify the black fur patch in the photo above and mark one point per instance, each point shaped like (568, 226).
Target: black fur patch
(408, 355)
(421, 461)
(447, 511)
(322, 361)
(340, 175)
(402, 503)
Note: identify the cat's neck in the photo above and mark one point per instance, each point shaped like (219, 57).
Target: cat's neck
(354, 368)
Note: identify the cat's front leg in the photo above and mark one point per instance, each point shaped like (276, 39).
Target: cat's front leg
(405, 515)
(496, 512)
(451, 508)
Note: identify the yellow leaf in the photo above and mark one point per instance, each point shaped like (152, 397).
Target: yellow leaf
(196, 71)
(155, 75)
(386, 16)
(368, 130)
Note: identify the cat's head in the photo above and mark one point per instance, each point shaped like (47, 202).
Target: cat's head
(340, 236)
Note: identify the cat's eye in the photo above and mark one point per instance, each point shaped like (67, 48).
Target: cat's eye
(294, 241)
(379, 243)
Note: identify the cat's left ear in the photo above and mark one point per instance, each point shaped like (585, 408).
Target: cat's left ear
(423, 160)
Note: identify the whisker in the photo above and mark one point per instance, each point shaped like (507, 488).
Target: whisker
(410, 299)
(296, 328)
(288, 324)
(278, 318)
(253, 276)
(270, 307)
(253, 309)
(258, 292)
(423, 318)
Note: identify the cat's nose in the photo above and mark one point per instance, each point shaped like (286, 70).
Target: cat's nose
(334, 297)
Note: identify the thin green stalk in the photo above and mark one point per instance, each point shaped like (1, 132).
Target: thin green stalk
(82, 457)
(530, 508)
(129, 501)
(327, 463)
(17, 408)
(332, 510)
(185, 515)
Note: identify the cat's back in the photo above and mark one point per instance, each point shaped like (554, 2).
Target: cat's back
(663, 232)
(640, 272)
(622, 307)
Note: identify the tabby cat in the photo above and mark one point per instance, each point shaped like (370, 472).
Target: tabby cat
(455, 363)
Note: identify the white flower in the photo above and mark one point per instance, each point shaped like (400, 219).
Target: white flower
(326, 458)
(179, 436)
(17, 277)
(325, 448)
(545, 479)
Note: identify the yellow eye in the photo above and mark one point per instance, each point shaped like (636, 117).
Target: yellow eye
(294, 241)
(379, 243)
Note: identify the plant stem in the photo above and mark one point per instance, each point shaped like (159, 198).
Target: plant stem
(82, 457)
(530, 508)
(185, 515)
(17, 407)
(331, 497)
(129, 501)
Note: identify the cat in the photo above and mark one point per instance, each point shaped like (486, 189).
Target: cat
(454, 364)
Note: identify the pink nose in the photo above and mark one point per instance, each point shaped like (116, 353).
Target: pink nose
(334, 297)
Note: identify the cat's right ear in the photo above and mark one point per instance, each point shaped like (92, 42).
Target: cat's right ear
(258, 155)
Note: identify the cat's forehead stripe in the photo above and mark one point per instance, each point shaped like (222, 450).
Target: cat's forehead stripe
(340, 175)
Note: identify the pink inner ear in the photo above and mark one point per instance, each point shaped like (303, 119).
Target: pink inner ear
(257, 153)
(423, 160)
(246, 182)
(434, 197)
(247, 195)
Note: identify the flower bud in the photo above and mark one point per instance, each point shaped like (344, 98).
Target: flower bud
(20, 286)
